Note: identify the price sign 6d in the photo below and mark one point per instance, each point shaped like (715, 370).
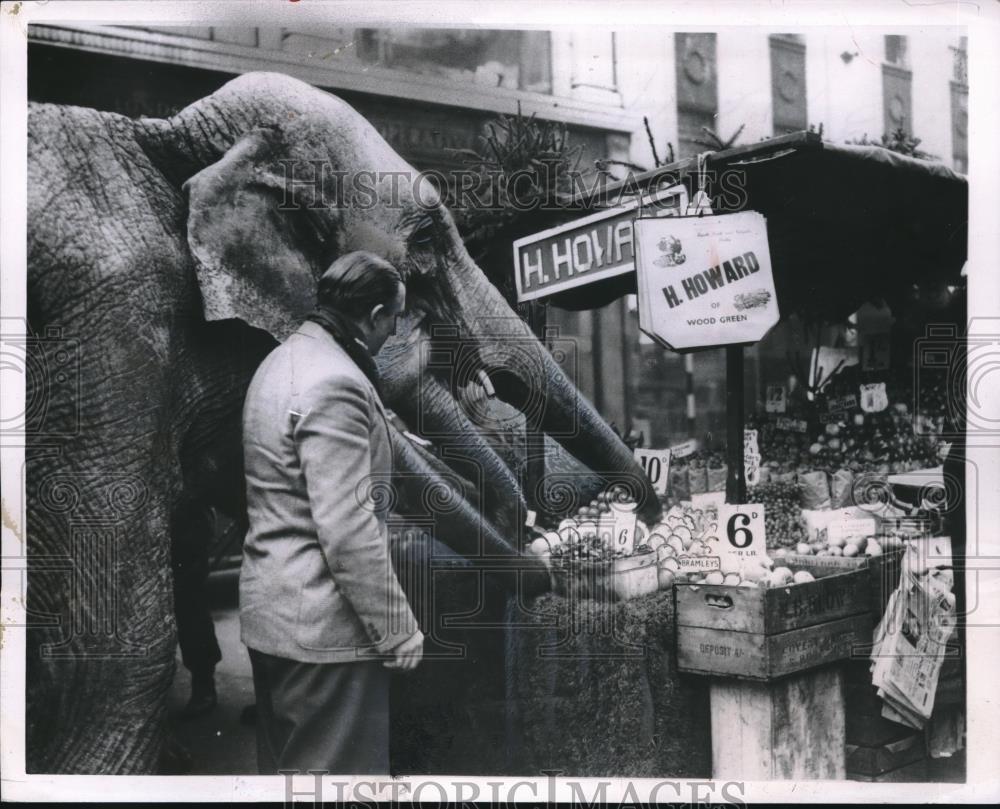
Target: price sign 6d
(741, 531)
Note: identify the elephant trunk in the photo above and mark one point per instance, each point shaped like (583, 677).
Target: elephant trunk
(523, 373)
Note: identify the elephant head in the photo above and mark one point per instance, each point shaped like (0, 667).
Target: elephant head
(299, 178)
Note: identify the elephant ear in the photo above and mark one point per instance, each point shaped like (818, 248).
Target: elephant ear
(257, 251)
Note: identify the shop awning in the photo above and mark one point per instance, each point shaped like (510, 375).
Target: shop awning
(846, 224)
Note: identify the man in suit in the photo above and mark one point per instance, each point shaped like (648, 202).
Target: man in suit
(321, 611)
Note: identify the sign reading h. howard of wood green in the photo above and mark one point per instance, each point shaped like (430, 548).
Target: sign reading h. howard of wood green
(588, 249)
(706, 281)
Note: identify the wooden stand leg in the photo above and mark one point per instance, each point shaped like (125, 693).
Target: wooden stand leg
(789, 729)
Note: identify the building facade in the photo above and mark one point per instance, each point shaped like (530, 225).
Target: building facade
(430, 90)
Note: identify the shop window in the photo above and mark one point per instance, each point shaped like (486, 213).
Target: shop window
(895, 50)
(514, 60)
(897, 93)
(594, 60)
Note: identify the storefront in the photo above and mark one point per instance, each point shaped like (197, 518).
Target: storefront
(853, 447)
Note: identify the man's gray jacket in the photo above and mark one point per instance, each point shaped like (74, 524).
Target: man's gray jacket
(317, 584)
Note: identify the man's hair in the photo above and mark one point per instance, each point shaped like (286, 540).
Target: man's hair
(358, 282)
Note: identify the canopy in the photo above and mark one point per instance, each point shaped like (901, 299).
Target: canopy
(846, 224)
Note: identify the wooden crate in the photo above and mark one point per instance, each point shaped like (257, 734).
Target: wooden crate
(883, 572)
(762, 634)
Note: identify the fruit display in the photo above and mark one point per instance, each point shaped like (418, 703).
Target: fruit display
(782, 512)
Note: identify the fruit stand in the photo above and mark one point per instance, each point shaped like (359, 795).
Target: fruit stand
(780, 634)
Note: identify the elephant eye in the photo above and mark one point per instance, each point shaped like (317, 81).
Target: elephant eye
(423, 233)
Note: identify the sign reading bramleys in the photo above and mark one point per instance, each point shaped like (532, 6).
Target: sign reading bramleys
(589, 249)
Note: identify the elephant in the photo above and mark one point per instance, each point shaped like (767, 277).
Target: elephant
(170, 256)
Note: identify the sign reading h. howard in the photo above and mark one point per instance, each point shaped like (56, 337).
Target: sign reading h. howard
(588, 249)
(705, 281)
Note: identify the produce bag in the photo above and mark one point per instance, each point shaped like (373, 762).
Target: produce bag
(815, 490)
(697, 479)
(716, 478)
(841, 486)
(679, 483)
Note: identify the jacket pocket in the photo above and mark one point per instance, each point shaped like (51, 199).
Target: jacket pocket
(326, 623)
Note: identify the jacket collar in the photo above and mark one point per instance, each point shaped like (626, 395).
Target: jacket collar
(310, 328)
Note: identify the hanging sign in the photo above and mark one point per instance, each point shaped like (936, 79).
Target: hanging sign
(589, 249)
(656, 464)
(776, 399)
(707, 280)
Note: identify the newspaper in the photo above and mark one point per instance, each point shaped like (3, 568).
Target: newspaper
(911, 640)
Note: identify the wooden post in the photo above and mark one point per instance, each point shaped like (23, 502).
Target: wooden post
(793, 728)
(736, 490)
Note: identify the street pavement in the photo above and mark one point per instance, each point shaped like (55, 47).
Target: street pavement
(218, 744)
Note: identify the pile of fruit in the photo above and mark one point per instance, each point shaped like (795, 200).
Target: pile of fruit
(578, 535)
(840, 546)
(782, 512)
(754, 572)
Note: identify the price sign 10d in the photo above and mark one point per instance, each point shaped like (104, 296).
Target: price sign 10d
(741, 531)
(656, 464)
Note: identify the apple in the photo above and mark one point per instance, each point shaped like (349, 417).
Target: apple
(731, 579)
(802, 576)
(539, 546)
(781, 575)
(850, 549)
(834, 550)
(665, 578)
(715, 577)
(837, 542)
(748, 583)
(569, 522)
(803, 549)
(676, 543)
(873, 549)
(730, 564)
(670, 564)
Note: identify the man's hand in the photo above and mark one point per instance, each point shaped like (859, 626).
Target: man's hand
(408, 654)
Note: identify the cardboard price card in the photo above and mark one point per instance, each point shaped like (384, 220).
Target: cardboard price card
(741, 531)
(705, 281)
(685, 448)
(698, 564)
(617, 527)
(776, 400)
(656, 464)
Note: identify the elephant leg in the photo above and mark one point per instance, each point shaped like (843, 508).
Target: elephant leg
(190, 535)
(100, 658)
